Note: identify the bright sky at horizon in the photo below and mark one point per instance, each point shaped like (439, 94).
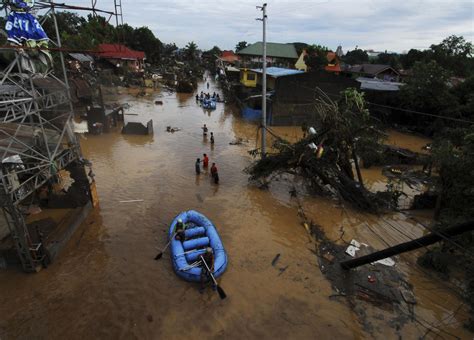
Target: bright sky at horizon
(369, 24)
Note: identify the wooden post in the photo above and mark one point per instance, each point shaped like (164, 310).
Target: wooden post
(356, 163)
(407, 246)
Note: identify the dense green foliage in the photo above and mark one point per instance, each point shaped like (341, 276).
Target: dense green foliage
(427, 90)
(240, 46)
(84, 34)
(316, 58)
(391, 59)
(454, 54)
(356, 56)
(299, 47)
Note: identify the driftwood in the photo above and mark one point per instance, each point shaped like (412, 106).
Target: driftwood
(325, 175)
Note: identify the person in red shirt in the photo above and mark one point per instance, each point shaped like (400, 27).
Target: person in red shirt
(205, 161)
(214, 173)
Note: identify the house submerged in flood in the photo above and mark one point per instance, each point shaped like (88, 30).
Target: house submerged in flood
(290, 93)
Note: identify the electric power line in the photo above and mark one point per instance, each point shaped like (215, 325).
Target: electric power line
(387, 106)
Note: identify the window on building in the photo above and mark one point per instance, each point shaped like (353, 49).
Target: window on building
(251, 76)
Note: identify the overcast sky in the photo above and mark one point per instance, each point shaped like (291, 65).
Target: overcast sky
(370, 24)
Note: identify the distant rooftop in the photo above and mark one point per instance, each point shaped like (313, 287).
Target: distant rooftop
(277, 50)
(117, 51)
(378, 84)
(276, 72)
(83, 58)
(372, 69)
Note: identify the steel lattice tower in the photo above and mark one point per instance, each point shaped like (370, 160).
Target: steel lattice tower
(36, 126)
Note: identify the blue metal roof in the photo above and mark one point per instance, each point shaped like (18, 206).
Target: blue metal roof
(276, 72)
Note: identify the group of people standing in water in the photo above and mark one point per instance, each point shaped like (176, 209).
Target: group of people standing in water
(208, 96)
(205, 160)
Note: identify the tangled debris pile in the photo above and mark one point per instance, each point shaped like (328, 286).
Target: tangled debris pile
(326, 159)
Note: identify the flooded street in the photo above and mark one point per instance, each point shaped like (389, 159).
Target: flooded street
(105, 283)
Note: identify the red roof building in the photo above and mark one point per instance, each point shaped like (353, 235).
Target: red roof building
(229, 57)
(333, 63)
(121, 56)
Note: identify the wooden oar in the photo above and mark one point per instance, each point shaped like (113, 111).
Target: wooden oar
(188, 252)
(160, 254)
(221, 292)
(192, 265)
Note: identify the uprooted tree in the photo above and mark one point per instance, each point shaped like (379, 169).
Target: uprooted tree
(325, 159)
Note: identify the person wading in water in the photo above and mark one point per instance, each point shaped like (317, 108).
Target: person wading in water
(214, 173)
(208, 256)
(198, 166)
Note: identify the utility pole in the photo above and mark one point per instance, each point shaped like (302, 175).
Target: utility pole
(264, 78)
(407, 246)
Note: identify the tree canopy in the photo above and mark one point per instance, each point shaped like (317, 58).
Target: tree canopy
(454, 54)
(316, 58)
(356, 56)
(240, 46)
(427, 90)
(81, 33)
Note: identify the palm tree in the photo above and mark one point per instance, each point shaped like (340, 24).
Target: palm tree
(191, 49)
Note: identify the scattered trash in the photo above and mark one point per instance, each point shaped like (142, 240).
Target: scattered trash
(306, 226)
(282, 270)
(353, 247)
(408, 296)
(172, 129)
(275, 260)
(356, 246)
(131, 114)
(312, 131)
(386, 262)
(158, 102)
(130, 201)
(239, 141)
(371, 279)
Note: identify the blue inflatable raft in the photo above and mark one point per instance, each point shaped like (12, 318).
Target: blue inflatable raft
(200, 233)
(209, 104)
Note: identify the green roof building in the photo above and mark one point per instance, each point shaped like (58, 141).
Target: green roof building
(277, 54)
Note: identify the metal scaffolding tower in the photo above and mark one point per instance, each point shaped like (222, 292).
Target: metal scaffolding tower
(36, 136)
(118, 13)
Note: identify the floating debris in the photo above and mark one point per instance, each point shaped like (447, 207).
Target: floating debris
(275, 260)
(172, 129)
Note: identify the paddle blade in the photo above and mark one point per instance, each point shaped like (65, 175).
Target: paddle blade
(221, 292)
(159, 256)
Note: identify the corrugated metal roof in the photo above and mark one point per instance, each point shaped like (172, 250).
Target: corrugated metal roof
(277, 50)
(378, 85)
(276, 72)
(83, 58)
(117, 51)
(372, 69)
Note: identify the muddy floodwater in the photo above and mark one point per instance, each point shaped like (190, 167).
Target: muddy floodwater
(105, 283)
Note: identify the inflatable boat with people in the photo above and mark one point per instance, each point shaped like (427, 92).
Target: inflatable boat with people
(199, 236)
